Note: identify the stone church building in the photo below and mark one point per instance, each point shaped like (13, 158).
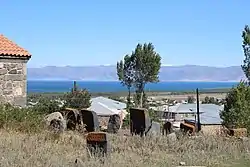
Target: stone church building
(13, 71)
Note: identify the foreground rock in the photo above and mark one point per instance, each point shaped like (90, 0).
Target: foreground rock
(55, 122)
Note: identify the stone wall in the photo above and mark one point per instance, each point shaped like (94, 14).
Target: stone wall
(13, 82)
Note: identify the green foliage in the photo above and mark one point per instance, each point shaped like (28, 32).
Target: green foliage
(140, 68)
(190, 99)
(46, 105)
(147, 64)
(246, 49)
(210, 100)
(77, 98)
(125, 75)
(206, 100)
(154, 115)
(137, 98)
(126, 121)
(236, 111)
(21, 119)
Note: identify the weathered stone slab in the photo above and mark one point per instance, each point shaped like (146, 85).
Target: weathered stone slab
(140, 123)
(155, 129)
(98, 144)
(90, 119)
(167, 128)
(55, 121)
(114, 123)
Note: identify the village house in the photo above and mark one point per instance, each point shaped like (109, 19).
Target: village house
(210, 120)
(105, 107)
(13, 71)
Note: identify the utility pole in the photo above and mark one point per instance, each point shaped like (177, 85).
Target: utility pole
(198, 109)
(74, 86)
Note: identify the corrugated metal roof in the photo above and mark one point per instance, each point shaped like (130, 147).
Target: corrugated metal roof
(211, 114)
(105, 106)
(185, 108)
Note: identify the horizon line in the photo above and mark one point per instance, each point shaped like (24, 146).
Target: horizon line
(110, 65)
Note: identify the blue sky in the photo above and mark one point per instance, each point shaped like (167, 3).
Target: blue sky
(95, 32)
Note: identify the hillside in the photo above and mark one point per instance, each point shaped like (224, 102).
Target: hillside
(108, 73)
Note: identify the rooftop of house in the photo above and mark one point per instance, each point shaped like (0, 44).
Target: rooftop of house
(192, 108)
(105, 106)
(10, 49)
(209, 113)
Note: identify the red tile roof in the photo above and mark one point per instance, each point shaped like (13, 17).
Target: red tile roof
(9, 48)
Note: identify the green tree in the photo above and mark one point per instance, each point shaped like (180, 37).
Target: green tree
(77, 98)
(206, 100)
(147, 64)
(154, 115)
(125, 75)
(236, 111)
(246, 49)
(191, 99)
(210, 100)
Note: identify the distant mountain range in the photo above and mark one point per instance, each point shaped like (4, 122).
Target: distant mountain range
(108, 73)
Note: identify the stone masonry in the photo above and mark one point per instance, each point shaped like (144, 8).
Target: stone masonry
(13, 71)
(13, 81)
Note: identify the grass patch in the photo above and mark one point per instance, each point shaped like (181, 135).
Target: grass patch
(42, 149)
(24, 142)
(21, 119)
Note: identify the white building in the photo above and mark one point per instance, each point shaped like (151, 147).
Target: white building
(209, 113)
(106, 107)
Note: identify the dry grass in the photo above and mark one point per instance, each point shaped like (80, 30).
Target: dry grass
(18, 149)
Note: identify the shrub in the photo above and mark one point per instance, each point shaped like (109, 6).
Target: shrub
(46, 106)
(126, 121)
(21, 119)
(154, 115)
(236, 111)
(77, 99)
